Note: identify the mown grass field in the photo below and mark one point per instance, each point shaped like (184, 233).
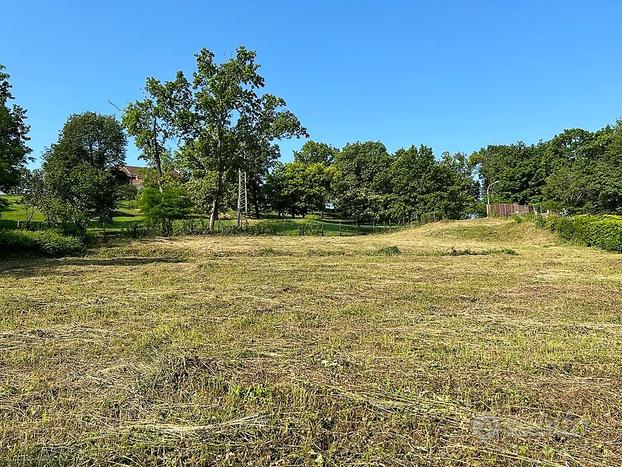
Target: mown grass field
(478, 342)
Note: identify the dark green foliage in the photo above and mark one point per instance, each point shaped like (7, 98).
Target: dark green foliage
(161, 207)
(78, 193)
(362, 180)
(601, 231)
(577, 171)
(126, 192)
(515, 170)
(313, 152)
(371, 185)
(299, 188)
(421, 184)
(78, 170)
(45, 243)
(13, 137)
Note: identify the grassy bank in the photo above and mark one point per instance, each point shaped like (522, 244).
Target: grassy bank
(479, 342)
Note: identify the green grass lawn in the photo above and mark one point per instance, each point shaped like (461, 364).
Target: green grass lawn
(126, 214)
(483, 342)
(16, 212)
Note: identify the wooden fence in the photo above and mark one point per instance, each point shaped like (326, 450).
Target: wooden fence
(507, 209)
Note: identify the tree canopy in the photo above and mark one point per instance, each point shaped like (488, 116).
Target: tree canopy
(78, 169)
(313, 152)
(13, 136)
(219, 123)
(223, 122)
(577, 171)
(366, 183)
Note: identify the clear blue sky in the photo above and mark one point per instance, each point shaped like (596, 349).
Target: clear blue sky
(455, 75)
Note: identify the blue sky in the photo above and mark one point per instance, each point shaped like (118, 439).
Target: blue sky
(455, 75)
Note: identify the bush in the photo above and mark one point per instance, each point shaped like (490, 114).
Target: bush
(44, 242)
(605, 233)
(270, 227)
(601, 231)
(127, 192)
(161, 208)
(386, 251)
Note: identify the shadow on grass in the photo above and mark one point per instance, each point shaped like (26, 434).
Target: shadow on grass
(26, 267)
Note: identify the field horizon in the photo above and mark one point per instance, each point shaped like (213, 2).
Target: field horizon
(484, 342)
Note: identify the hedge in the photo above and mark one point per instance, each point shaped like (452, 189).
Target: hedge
(601, 231)
(201, 227)
(43, 242)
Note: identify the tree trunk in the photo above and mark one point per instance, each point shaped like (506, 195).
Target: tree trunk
(156, 154)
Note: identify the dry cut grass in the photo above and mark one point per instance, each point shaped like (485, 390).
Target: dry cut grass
(479, 342)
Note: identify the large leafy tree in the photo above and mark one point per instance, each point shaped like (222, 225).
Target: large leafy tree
(299, 188)
(459, 190)
(586, 171)
(422, 184)
(78, 169)
(515, 170)
(224, 123)
(415, 178)
(313, 152)
(257, 132)
(13, 136)
(151, 121)
(362, 180)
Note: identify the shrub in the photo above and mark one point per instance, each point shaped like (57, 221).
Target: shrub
(605, 233)
(44, 242)
(127, 192)
(270, 227)
(161, 208)
(386, 251)
(601, 231)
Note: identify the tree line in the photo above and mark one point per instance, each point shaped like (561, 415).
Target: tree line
(365, 183)
(577, 171)
(198, 133)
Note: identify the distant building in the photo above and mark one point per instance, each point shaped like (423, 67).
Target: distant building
(135, 175)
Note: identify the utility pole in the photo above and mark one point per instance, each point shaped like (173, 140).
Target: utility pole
(488, 198)
(242, 197)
